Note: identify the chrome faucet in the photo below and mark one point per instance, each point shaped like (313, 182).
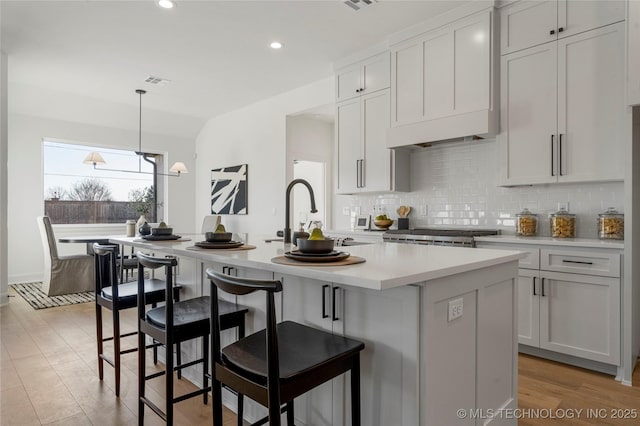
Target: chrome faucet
(287, 230)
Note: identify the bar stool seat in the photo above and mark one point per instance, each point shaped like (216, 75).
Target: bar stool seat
(128, 292)
(301, 349)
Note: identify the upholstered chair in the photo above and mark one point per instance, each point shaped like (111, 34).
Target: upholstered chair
(63, 274)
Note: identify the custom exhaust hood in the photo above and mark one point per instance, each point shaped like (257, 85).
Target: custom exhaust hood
(470, 126)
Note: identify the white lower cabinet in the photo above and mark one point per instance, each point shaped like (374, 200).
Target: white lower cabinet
(387, 322)
(575, 313)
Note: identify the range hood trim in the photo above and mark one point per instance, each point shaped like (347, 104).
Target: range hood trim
(446, 129)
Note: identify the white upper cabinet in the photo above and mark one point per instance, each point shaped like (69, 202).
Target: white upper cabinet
(441, 83)
(562, 109)
(529, 23)
(529, 115)
(365, 164)
(362, 78)
(633, 54)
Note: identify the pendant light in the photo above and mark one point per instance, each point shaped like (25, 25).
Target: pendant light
(176, 170)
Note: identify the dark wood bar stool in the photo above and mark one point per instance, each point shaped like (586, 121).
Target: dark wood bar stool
(174, 323)
(112, 295)
(276, 365)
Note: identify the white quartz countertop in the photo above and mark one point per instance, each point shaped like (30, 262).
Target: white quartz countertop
(387, 265)
(567, 242)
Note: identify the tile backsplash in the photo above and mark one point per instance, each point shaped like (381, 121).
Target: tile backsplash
(456, 184)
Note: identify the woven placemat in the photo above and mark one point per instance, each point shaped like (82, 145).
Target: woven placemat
(244, 247)
(351, 260)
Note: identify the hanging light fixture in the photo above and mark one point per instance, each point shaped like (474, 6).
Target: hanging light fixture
(176, 170)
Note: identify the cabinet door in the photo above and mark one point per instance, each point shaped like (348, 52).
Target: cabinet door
(471, 42)
(580, 316)
(438, 74)
(529, 115)
(529, 307)
(578, 16)
(527, 23)
(633, 54)
(348, 140)
(348, 83)
(376, 174)
(407, 79)
(376, 73)
(388, 324)
(303, 300)
(591, 105)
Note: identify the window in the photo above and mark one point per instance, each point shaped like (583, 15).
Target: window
(75, 192)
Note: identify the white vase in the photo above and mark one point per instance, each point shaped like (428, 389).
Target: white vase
(141, 221)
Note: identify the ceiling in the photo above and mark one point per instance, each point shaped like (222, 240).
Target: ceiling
(215, 53)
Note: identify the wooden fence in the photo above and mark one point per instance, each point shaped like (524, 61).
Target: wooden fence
(62, 212)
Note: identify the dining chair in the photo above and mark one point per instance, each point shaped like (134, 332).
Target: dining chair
(173, 323)
(117, 296)
(210, 223)
(280, 363)
(63, 274)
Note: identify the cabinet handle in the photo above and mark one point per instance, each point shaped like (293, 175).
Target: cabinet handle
(582, 262)
(552, 32)
(357, 173)
(552, 172)
(561, 29)
(542, 281)
(363, 178)
(334, 317)
(534, 286)
(560, 153)
(324, 303)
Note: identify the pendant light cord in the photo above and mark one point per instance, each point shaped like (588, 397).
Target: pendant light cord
(140, 92)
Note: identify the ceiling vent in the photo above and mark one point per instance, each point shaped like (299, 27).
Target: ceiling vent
(156, 81)
(359, 4)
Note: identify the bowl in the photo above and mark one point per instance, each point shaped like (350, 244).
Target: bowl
(383, 223)
(218, 237)
(161, 231)
(315, 246)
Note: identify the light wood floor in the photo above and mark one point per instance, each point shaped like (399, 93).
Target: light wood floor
(48, 375)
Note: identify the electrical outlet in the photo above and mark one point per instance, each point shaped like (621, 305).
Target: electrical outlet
(424, 209)
(563, 205)
(455, 309)
(346, 211)
(356, 210)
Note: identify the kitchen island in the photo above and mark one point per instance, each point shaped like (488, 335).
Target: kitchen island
(438, 325)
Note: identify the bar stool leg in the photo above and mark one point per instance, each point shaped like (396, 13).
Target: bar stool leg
(205, 368)
(99, 340)
(169, 383)
(116, 348)
(355, 392)
(290, 419)
(240, 409)
(216, 397)
(141, 376)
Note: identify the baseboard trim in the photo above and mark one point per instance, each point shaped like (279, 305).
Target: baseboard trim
(569, 359)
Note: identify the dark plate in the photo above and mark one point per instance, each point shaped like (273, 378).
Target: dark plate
(219, 245)
(161, 237)
(301, 253)
(309, 257)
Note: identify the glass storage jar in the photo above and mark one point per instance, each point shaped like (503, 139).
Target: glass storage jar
(526, 223)
(563, 224)
(611, 225)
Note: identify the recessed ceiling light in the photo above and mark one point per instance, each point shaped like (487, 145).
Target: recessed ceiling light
(166, 4)
(276, 45)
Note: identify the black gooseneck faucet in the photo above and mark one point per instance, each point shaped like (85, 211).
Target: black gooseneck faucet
(287, 230)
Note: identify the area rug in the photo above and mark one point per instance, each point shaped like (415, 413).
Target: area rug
(32, 293)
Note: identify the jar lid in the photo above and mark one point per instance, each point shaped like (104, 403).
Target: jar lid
(525, 212)
(611, 211)
(562, 212)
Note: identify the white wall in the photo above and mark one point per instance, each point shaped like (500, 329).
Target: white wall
(256, 135)
(457, 181)
(310, 139)
(26, 179)
(4, 283)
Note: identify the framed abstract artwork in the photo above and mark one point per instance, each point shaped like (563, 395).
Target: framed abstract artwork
(229, 190)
